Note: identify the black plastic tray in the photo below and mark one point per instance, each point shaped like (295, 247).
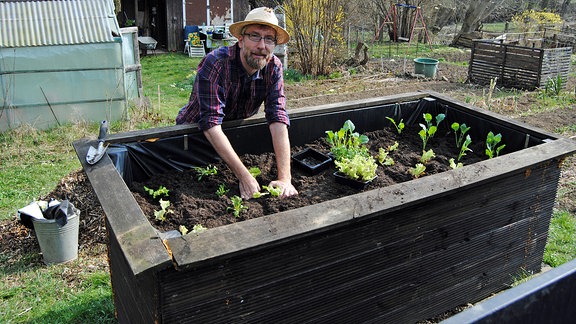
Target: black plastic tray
(311, 160)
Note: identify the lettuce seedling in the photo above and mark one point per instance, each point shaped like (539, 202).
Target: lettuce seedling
(259, 194)
(221, 190)
(206, 171)
(161, 191)
(383, 157)
(237, 206)
(160, 215)
(198, 228)
(493, 146)
(453, 164)
(255, 171)
(399, 127)
(359, 167)
(427, 156)
(418, 170)
(274, 191)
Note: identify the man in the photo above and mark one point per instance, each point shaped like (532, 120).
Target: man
(232, 82)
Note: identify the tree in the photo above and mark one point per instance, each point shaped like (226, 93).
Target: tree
(476, 12)
(315, 26)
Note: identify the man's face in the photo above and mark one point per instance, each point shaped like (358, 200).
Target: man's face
(256, 47)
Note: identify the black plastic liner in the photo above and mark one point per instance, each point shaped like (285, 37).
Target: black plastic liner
(140, 160)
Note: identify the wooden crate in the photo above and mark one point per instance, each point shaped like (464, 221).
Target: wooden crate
(517, 66)
(402, 253)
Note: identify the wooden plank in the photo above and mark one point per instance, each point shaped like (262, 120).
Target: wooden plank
(139, 240)
(390, 263)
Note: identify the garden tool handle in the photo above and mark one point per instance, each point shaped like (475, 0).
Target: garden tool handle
(103, 131)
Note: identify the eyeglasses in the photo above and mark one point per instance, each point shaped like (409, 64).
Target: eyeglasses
(268, 40)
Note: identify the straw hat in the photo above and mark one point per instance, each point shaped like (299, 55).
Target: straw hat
(261, 16)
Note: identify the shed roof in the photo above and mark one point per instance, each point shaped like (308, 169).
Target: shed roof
(41, 23)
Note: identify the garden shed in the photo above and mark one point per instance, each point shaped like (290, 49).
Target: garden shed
(62, 61)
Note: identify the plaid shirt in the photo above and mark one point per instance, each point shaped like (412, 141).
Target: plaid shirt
(224, 91)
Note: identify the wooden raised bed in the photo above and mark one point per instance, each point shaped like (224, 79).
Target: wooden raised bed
(517, 66)
(402, 253)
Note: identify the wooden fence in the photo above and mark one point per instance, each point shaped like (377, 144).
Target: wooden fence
(517, 66)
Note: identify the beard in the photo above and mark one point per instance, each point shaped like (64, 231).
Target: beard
(256, 63)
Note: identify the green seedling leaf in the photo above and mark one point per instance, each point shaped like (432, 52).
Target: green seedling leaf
(222, 190)
(383, 157)
(259, 194)
(455, 126)
(164, 204)
(160, 215)
(161, 191)
(493, 146)
(465, 147)
(359, 167)
(198, 228)
(427, 156)
(399, 126)
(418, 170)
(345, 142)
(274, 191)
(440, 118)
(237, 206)
(453, 164)
(206, 171)
(255, 171)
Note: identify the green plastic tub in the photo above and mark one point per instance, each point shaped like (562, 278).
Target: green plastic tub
(426, 66)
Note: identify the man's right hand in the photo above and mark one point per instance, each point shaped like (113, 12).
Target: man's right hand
(222, 146)
(248, 186)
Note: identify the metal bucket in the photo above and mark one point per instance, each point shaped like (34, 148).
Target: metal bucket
(58, 244)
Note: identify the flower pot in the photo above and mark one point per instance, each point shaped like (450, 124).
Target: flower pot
(311, 160)
(345, 180)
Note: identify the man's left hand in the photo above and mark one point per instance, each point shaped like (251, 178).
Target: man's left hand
(287, 188)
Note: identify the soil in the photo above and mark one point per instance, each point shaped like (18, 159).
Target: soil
(194, 201)
(378, 78)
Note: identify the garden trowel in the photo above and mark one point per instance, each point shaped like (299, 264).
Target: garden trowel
(95, 154)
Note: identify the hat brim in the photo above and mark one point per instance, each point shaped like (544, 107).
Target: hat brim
(282, 36)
